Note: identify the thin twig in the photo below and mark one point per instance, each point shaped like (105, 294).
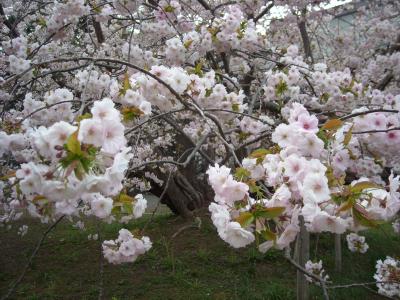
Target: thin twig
(361, 113)
(377, 131)
(358, 284)
(376, 293)
(313, 276)
(46, 107)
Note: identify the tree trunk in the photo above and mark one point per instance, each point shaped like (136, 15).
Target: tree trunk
(184, 193)
(187, 188)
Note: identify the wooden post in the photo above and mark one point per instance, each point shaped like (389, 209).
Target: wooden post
(303, 255)
(338, 253)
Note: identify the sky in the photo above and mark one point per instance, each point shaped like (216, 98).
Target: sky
(277, 11)
(336, 3)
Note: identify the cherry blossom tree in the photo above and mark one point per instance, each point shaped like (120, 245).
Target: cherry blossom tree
(281, 117)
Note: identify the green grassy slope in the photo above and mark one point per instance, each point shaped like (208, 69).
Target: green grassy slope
(194, 265)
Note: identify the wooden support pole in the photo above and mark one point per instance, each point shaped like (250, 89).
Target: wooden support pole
(303, 255)
(338, 253)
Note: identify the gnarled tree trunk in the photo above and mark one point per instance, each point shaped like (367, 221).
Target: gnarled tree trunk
(184, 193)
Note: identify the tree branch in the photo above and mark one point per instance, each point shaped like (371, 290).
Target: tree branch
(205, 5)
(304, 36)
(263, 12)
(385, 81)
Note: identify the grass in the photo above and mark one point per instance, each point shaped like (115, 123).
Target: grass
(194, 265)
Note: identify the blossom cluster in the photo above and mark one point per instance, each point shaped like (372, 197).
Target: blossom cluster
(315, 269)
(18, 65)
(104, 129)
(126, 248)
(356, 243)
(64, 13)
(91, 83)
(388, 277)
(23, 230)
(340, 90)
(306, 170)
(17, 47)
(77, 167)
(56, 106)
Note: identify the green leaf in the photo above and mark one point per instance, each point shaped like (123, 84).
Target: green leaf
(337, 198)
(333, 124)
(242, 174)
(124, 198)
(269, 212)
(18, 190)
(84, 116)
(131, 113)
(345, 206)
(128, 208)
(256, 189)
(235, 107)
(322, 136)
(362, 218)
(187, 44)
(332, 179)
(38, 198)
(86, 163)
(41, 21)
(169, 9)
(241, 30)
(268, 235)
(325, 97)
(76, 160)
(281, 87)
(259, 153)
(348, 135)
(245, 219)
(351, 154)
(79, 171)
(9, 175)
(67, 160)
(126, 85)
(360, 186)
(97, 9)
(240, 204)
(92, 151)
(73, 145)
(243, 135)
(198, 70)
(116, 210)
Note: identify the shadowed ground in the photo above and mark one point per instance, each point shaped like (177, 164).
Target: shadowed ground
(194, 265)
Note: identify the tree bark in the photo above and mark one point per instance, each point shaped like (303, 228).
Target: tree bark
(304, 36)
(185, 193)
